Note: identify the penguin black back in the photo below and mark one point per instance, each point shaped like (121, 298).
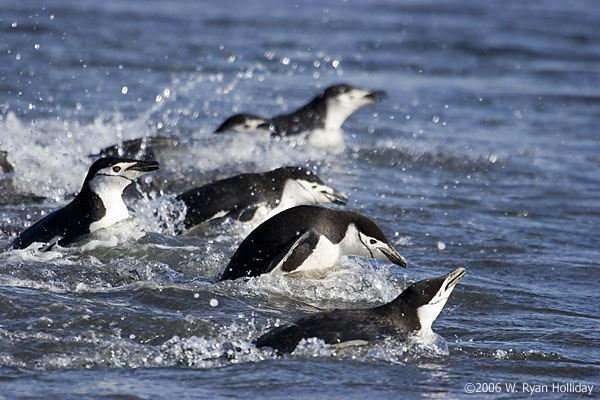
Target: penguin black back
(69, 223)
(240, 196)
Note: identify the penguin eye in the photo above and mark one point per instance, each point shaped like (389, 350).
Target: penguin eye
(116, 168)
(372, 241)
(314, 186)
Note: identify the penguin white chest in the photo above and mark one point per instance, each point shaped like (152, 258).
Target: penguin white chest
(114, 207)
(326, 138)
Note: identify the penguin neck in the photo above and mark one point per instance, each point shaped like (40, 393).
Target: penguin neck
(404, 316)
(293, 193)
(352, 244)
(336, 114)
(332, 139)
(109, 193)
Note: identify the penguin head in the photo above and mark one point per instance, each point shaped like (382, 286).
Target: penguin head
(111, 175)
(303, 186)
(244, 123)
(350, 94)
(342, 100)
(364, 238)
(429, 296)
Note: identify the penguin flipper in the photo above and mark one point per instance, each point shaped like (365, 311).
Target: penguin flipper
(284, 339)
(244, 215)
(294, 254)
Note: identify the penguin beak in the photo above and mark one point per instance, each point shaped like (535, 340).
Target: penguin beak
(266, 127)
(452, 278)
(393, 256)
(376, 95)
(335, 196)
(144, 166)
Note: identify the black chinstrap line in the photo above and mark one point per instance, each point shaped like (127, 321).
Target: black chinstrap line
(364, 244)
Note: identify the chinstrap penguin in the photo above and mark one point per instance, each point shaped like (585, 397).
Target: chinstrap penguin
(255, 196)
(98, 205)
(411, 313)
(5, 166)
(326, 112)
(308, 239)
(244, 123)
(145, 148)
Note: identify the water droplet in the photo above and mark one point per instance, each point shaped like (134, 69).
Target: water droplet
(52, 16)
(124, 89)
(493, 158)
(441, 245)
(335, 63)
(214, 302)
(285, 60)
(132, 336)
(18, 56)
(36, 46)
(435, 119)
(196, 295)
(14, 24)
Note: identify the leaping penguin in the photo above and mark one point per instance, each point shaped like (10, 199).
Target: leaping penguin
(326, 112)
(308, 238)
(256, 196)
(98, 205)
(411, 313)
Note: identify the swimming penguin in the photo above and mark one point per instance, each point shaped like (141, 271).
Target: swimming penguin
(411, 313)
(244, 123)
(308, 238)
(98, 205)
(252, 196)
(145, 148)
(5, 166)
(326, 112)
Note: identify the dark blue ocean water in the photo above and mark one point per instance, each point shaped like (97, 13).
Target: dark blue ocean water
(486, 155)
